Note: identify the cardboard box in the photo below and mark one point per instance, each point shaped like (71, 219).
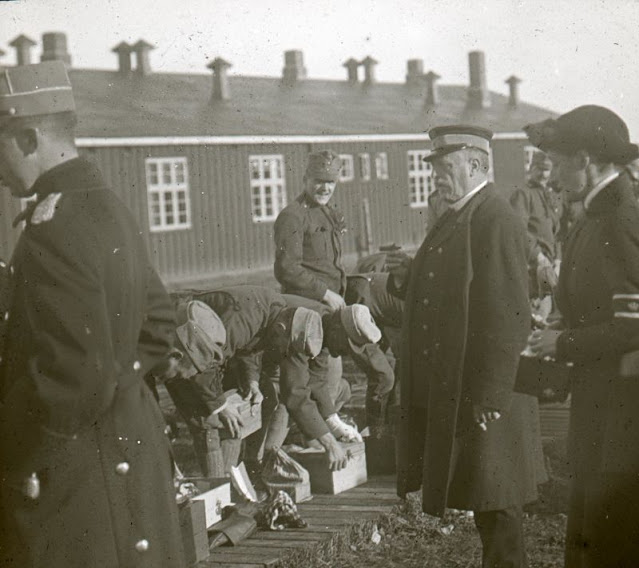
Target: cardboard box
(216, 494)
(323, 480)
(195, 537)
(250, 423)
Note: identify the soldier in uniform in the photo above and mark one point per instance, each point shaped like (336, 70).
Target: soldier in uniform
(308, 237)
(598, 296)
(86, 473)
(540, 209)
(465, 437)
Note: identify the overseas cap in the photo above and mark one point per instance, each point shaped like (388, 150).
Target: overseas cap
(31, 90)
(359, 325)
(201, 334)
(324, 166)
(593, 128)
(307, 334)
(447, 139)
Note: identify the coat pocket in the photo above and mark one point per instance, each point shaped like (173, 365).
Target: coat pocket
(316, 244)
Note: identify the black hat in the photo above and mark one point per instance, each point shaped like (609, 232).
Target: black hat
(447, 139)
(593, 128)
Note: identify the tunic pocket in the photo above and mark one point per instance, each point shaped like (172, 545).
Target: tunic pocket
(317, 244)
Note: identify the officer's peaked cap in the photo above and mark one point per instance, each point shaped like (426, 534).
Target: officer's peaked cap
(323, 166)
(448, 139)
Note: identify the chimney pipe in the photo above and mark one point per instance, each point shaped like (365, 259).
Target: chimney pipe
(123, 50)
(221, 90)
(23, 46)
(513, 86)
(369, 70)
(352, 66)
(414, 71)
(142, 49)
(294, 69)
(432, 91)
(478, 96)
(54, 47)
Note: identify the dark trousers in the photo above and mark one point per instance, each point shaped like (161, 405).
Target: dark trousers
(502, 538)
(603, 521)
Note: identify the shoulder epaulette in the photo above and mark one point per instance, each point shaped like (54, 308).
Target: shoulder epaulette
(45, 210)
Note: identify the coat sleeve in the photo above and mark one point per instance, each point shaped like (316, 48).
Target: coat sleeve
(378, 370)
(156, 335)
(296, 394)
(620, 266)
(499, 312)
(521, 204)
(289, 268)
(72, 369)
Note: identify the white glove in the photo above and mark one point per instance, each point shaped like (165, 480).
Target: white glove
(342, 432)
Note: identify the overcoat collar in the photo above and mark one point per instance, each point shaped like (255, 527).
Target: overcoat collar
(74, 174)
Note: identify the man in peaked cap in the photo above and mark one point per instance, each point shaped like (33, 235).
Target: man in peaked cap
(598, 296)
(86, 473)
(465, 437)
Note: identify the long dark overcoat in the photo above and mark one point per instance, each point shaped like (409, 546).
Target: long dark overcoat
(598, 295)
(466, 321)
(89, 317)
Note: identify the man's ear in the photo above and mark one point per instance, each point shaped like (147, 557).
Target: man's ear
(474, 166)
(27, 140)
(581, 159)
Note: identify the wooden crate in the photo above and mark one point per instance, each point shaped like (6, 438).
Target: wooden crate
(250, 423)
(195, 537)
(216, 494)
(323, 480)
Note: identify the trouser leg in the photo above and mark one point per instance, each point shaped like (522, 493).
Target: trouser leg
(502, 538)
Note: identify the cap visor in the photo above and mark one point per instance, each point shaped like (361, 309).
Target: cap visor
(439, 152)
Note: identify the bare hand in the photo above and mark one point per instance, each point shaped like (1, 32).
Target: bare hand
(543, 342)
(482, 415)
(397, 263)
(255, 395)
(336, 455)
(333, 301)
(230, 418)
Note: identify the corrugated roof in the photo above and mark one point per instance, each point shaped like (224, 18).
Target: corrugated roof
(166, 104)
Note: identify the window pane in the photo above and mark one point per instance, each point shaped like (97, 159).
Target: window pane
(166, 173)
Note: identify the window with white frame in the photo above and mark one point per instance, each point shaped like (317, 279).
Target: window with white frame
(381, 165)
(364, 166)
(167, 183)
(347, 172)
(420, 178)
(268, 187)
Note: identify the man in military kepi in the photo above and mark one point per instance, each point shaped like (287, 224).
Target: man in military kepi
(465, 437)
(308, 237)
(86, 477)
(598, 296)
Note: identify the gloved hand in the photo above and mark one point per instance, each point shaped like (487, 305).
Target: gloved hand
(343, 432)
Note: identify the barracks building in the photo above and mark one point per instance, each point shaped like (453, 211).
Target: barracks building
(207, 161)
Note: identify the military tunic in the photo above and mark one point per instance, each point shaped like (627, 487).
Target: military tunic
(466, 320)
(88, 318)
(598, 295)
(308, 254)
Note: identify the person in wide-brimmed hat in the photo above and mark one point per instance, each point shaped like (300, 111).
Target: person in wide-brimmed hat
(598, 295)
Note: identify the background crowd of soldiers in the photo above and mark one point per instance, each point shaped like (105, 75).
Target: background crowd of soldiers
(87, 478)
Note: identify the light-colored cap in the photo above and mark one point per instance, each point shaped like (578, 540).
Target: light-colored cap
(307, 334)
(31, 90)
(359, 326)
(201, 333)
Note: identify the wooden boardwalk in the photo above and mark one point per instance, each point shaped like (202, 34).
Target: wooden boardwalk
(327, 516)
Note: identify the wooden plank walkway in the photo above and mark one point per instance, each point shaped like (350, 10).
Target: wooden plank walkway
(327, 516)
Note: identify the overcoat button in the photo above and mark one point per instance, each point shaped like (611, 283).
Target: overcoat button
(425, 301)
(425, 352)
(431, 275)
(142, 545)
(6, 316)
(122, 468)
(137, 366)
(425, 327)
(3, 264)
(440, 250)
(11, 269)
